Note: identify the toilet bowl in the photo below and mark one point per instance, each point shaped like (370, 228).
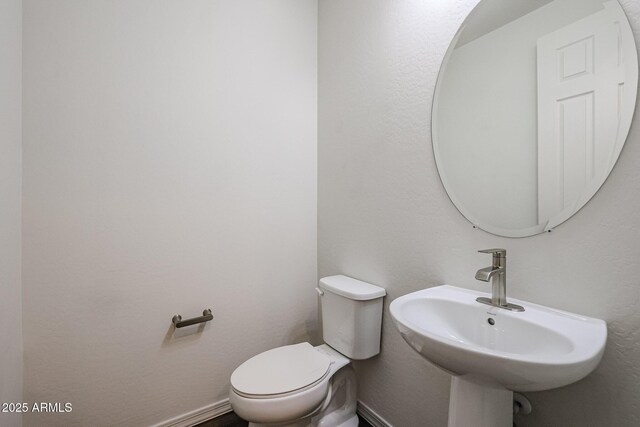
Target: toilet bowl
(300, 385)
(306, 404)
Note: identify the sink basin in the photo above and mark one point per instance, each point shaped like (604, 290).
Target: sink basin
(489, 348)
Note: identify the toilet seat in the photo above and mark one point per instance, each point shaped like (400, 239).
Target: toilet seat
(283, 384)
(281, 371)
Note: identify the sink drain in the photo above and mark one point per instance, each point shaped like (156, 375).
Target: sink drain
(491, 321)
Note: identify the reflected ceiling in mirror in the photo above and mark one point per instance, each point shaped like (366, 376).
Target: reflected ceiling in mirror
(532, 108)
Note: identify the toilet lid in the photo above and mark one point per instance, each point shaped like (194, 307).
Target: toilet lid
(281, 370)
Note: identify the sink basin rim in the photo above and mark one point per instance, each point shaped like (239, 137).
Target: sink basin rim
(579, 353)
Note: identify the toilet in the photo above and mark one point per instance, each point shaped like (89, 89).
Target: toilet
(301, 385)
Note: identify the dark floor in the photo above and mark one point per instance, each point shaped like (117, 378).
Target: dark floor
(232, 420)
(226, 420)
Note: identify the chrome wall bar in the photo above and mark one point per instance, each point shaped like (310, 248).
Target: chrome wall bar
(179, 323)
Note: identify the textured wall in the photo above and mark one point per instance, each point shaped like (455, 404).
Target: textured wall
(169, 166)
(10, 193)
(385, 218)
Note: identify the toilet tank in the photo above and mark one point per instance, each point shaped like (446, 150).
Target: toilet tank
(351, 316)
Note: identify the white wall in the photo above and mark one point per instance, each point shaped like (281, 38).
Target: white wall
(10, 194)
(169, 166)
(385, 218)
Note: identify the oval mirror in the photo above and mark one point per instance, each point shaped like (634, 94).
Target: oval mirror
(532, 107)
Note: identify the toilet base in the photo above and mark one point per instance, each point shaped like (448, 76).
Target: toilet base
(337, 410)
(299, 423)
(351, 422)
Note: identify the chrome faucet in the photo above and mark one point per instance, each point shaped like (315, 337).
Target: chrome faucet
(497, 273)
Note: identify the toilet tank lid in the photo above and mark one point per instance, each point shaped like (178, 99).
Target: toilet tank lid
(351, 288)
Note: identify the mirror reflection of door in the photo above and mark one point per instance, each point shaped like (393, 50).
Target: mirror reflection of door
(532, 107)
(581, 77)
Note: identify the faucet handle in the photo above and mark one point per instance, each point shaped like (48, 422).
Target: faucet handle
(499, 253)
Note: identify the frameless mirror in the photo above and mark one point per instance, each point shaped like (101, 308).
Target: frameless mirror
(532, 107)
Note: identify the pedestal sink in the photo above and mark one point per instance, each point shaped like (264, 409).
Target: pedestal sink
(492, 352)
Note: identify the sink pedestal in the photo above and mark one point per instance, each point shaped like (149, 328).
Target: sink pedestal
(478, 403)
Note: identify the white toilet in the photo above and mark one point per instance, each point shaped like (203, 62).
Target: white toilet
(301, 385)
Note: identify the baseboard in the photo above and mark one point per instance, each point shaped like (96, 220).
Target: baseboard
(371, 417)
(208, 412)
(199, 415)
